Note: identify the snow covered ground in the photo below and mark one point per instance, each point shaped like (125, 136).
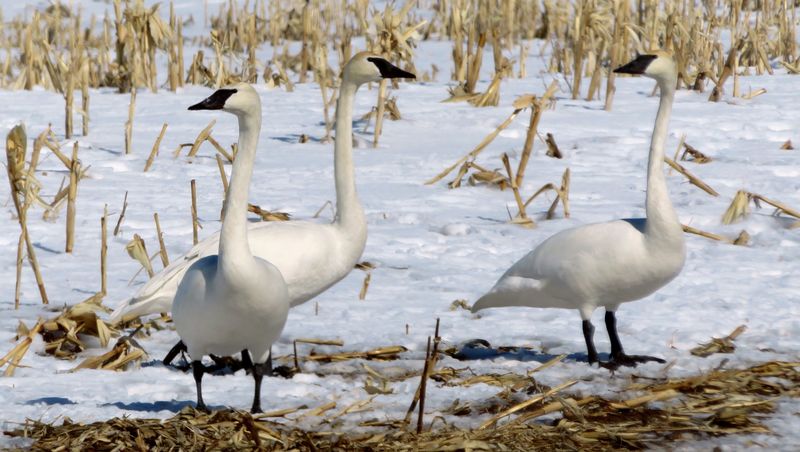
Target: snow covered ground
(431, 245)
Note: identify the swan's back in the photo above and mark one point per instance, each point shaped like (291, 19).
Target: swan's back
(581, 265)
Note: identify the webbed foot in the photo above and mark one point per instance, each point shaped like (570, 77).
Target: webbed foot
(180, 347)
(623, 360)
(203, 408)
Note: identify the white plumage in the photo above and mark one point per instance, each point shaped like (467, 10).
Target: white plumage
(596, 265)
(294, 247)
(311, 256)
(232, 301)
(606, 264)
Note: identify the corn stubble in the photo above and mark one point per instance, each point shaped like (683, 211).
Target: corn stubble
(579, 42)
(65, 338)
(716, 403)
(581, 39)
(740, 207)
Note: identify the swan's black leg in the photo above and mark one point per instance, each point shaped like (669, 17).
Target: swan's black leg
(219, 363)
(198, 369)
(247, 363)
(180, 347)
(611, 327)
(618, 356)
(258, 374)
(269, 373)
(588, 334)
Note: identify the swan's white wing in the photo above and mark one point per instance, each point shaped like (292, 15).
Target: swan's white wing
(310, 256)
(509, 291)
(156, 294)
(570, 268)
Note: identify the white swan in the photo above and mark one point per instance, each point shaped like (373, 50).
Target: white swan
(232, 300)
(311, 257)
(607, 264)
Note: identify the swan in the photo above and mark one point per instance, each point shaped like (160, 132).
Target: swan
(232, 300)
(311, 256)
(606, 264)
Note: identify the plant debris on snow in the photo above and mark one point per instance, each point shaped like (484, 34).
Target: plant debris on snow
(716, 403)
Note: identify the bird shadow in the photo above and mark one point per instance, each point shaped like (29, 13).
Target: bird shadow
(161, 405)
(480, 349)
(159, 363)
(46, 249)
(109, 150)
(294, 138)
(174, 406)
(50, 401)
(586, 107)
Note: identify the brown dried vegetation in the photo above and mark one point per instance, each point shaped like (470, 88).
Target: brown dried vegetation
(717, 403)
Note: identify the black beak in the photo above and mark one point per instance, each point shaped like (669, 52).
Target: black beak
(388, 70)
(215, 101)
(637, 66)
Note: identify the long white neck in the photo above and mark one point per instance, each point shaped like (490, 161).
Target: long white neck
(661, 217)
(349, 214)
(233, 245)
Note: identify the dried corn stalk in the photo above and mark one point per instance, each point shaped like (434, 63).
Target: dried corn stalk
(696, 156)
(714, 402)
(124, 353)
(382, 353)
(562, 195)
(740, 207)
(137, 250)
(719, 345)
(520, 104)
(24, 189)
(16, 354)
(267, 215)
(394, 40)
(62, 334)
(694, 180)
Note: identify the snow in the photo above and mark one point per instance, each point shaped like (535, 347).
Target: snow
(432, 245)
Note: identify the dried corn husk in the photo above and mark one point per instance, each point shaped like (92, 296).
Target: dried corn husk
(719, 345)
(137, 250)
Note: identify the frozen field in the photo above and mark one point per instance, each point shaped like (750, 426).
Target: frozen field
(431, 245)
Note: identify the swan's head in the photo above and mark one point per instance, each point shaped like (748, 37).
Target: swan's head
(239, 98)
(657, 64)
(365, 67)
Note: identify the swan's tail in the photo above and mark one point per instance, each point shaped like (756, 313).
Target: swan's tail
(510, 291)
(137, 307)
(155, 296)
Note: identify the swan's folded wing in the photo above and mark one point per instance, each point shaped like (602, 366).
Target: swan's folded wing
(306, 253)
(509, 291)
(156, 295)
(574, 264)
(309, 256)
